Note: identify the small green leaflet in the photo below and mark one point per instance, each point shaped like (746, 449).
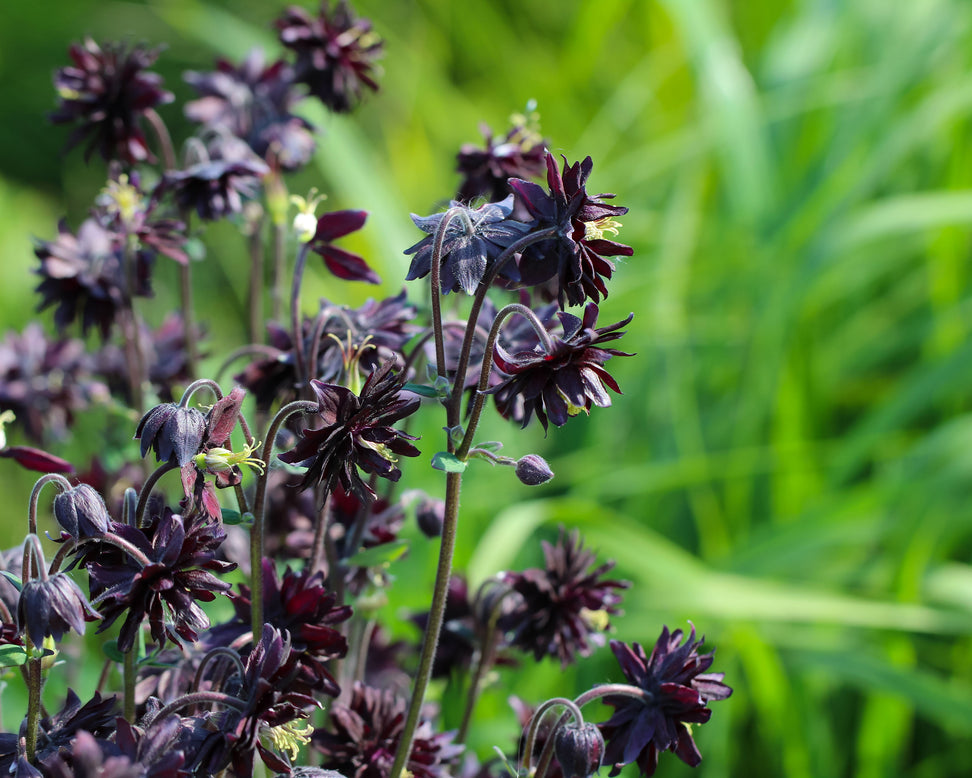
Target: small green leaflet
(379, 555)
(12, 655)
(448, 463)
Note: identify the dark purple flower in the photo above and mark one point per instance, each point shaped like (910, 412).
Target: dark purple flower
(344, 264)
(84, 757)
(81, 512)
(174, 432)
(181, 562)
(364, 735)
(430, 516)
(564, 607)
(575, 258)
(45, 383)
(533, 470)
(335, 52)
(52, 606)
(486, 171)
(84, 275)
(253, 102)
(679, 689)
(215, 187)
(35, 459)
(356, 433)
(472, 241)
(107, 92)
(300, 605)
(562, 383)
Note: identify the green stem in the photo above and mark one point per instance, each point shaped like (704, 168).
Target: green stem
(147, 487)
(537, 719)
(33, 700)
(434, 626)
(256, 280)
(260, 509)
(297, 331)
(277, 270)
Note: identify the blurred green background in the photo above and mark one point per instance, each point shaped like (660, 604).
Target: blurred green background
(790, 464)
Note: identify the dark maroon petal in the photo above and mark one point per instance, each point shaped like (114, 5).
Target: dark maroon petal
(337, 224)
(36, 459)
(346, 265)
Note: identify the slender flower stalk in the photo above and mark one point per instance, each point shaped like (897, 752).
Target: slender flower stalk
(300, 364)
(260, 508)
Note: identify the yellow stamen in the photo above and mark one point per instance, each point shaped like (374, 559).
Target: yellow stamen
(595, 230)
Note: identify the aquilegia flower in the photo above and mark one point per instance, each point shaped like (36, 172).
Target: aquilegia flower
(107, 92)
(335, 51)
(52, 606)
(564, 607)
(568, 380)
(344, 264)
(675, 676)
(575, 258)
(356, 433)
(472, 240)
(253, 102)
(487, 171)
(364, 735)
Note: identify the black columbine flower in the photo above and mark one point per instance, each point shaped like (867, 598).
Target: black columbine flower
(486, 171)
(45, 383)
(356, 433)
(300, 605)
(472, 240)
(107, 92)
(675, 677)
(253, 102)
(215, 187)
(335, 52)
(364, 735)
(562, 383)
(564, 607)
(344, 264)
(182, 560)
(52, 606)
(175, 433)
(85, 274)
(575, 259)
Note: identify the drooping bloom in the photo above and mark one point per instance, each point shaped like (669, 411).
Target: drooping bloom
(52, 606)
(107, 93)
(81, 512)
(174, 432)
(576, 258)
(472, 240)
(336, 53)
(364, 735)
(564, 607)
(675, 677)
(356, 433)
(486, 171)
(253, 102)
(569, 379)
(84, 275)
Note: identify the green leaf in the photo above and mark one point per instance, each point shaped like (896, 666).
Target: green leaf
(12, 655)
(234, 518)
(379, 555)
(111, 651)
(421, 389)
(448, 463)
(13, 579)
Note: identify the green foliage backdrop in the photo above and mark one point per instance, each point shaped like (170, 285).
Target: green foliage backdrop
(790, 465)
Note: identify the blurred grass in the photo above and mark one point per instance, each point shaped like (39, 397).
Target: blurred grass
(789, 466)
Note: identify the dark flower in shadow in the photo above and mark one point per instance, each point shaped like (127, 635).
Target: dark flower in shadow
(364, 735)
(45, 383)
(575, 258)
(679, 689)
(472, 240)
(300, 605)
(85, 274)
(107, 92)
(253, 102)
(175, 433)
(335, 52)
(564, 607)
(181, 562)
(356, 433)
(52, 606)
(81, 512)
(562, 383)
(486, 171)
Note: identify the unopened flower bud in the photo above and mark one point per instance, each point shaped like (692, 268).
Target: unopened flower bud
(430, 515)
(533, 470)
(81, 512)
(579, 750)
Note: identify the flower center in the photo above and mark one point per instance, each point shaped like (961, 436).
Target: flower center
(595, 230)
(287, 738)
